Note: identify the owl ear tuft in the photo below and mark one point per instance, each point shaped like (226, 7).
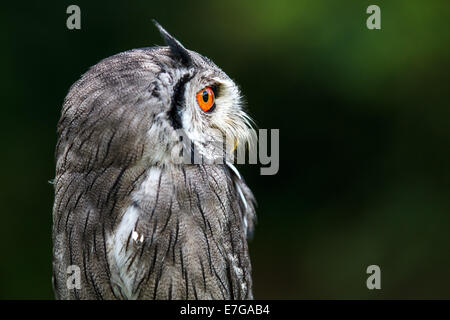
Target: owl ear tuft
(175, 46)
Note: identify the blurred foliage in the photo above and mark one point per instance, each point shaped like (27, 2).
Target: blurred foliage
(364, 133)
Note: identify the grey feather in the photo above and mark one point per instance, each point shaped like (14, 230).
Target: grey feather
(137, 224)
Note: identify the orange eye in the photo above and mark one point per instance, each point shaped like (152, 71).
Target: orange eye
(205, 99)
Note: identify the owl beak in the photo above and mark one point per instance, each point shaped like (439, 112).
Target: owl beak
(236, 142)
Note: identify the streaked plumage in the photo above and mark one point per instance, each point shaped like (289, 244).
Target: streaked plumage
(139, 224)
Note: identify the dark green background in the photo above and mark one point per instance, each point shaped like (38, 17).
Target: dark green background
(364, 133)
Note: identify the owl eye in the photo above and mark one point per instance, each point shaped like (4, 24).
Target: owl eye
(205, 99)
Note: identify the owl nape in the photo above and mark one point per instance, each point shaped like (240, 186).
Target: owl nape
(129, 220)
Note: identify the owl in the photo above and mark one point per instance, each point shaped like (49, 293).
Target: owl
(132, 221)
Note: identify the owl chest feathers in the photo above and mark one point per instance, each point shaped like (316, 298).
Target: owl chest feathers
(183, 236)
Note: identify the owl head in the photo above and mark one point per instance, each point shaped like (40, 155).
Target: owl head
(157, 105)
